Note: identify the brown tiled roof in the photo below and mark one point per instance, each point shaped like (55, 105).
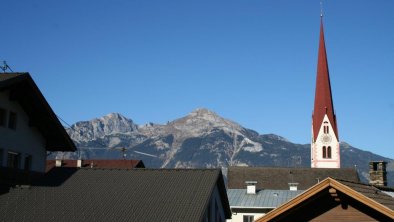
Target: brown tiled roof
(107, 164)
(70, 194)
(23, 89)
(279, 178)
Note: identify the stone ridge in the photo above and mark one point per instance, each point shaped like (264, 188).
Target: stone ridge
(100, 127)
(201, 139)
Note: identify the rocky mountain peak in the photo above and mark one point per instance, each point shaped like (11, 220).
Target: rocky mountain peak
(202, 121)
(111, 123)
(200, 139)
(117, 121)
(274, 137)
(203, 113)
(114, 116)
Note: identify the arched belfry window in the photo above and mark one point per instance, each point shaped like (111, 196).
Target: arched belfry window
(324, 152)
(326, 128)
(329, 152)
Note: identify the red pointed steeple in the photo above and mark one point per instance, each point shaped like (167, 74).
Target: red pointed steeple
(323, 98)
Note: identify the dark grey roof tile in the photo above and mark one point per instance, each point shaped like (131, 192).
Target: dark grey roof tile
(375, 193)
(66, 194)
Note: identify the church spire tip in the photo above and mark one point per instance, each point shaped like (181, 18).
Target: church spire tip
(321, 8)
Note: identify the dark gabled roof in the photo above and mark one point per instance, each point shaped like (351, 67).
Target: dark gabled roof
(105, 164)
(70, 194)
(279, 178)
(23, 89)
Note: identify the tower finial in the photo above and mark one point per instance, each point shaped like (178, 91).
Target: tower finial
(321, 8)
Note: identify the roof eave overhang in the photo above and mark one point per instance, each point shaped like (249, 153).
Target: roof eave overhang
(247, 207)
(23, 89)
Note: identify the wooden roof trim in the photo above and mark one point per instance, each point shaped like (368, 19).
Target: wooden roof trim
(328, 182)
(362, 198)
(297, 200)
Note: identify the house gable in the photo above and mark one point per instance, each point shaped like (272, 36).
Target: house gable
(20, 87)
(29, 129)
(333, 201)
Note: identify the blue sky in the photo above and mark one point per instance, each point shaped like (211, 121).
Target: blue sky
(250, 61)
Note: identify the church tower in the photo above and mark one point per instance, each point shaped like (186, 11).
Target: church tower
(325, 151)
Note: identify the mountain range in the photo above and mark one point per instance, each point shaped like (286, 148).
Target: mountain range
(201, 139)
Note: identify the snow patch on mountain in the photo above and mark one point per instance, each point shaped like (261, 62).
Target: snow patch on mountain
(114, 141)
(251, 146)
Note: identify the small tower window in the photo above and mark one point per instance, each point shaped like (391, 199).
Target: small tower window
(326, 128)
(324, 152)
(329, 152)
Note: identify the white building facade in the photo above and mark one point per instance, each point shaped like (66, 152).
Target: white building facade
(29, 129)
(21, 146)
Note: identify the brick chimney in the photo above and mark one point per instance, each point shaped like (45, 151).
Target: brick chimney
(378, 173)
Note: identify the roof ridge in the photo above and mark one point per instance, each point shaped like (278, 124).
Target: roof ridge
(292, 168)
(151, 169)
(385, 188)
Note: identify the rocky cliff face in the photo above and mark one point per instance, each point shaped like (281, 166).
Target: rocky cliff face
(112, 123)
(200, 139)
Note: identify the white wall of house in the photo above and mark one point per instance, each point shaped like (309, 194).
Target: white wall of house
(24, 140)
(215, 209)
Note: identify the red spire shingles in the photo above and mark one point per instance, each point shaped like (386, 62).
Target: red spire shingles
(323, 97)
